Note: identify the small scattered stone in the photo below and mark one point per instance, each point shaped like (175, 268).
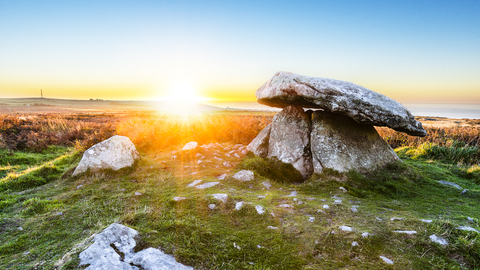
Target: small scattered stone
(259, 209)
(396, 219)
(258, 246)
(198, 155)
(338, 201)
(79, 186)
(426, 220)
(211, 206)
(236, 155)
(285, 205)
(273, 228)
(227, 164)
(221, 197)
(386, 260)
(293, 194)
(261, 197)
(137, 193)
(366, 234)
(406, 232)
(467, 228)
(196, 182)
(344, 190)
(470, 219)
(235, 246)
(354, 209)
(207, 185)
(345, 228)
(227, 154)
(464, 191)
(177, 199)
(267, 184)
(450, 184)
(244, 175)
(26, 253)
(311, 199)
(325, 206)
(174, 157)
(438, 240)
(354, 244)
(222, 177)
(20, 228)
(311, 219)
(379, 219)
(59, 214)
(217, 158)
(198, 162)
(190, 146)
(321, 211)
(238, 205)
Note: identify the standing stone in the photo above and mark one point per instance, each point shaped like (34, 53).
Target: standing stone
(259, 145)
(340, 143)
(114, 153)
(290, 139)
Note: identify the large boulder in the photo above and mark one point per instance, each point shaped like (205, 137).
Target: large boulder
(113, 248)
(114, 153)
(363, 105)
(340, 143)
(290, 139)
(259, 145)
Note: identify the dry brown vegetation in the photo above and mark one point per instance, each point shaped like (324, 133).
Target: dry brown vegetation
(151, 132)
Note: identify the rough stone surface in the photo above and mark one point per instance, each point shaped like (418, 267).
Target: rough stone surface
(290, 139)
(386, 260)
(190, 146)
(406, 232)
(345, 228)
(221, 197)
(340, 143)
(207, 185)
(244, 175)
(102, 255)
(363, 105)
(259, 145)
(114, 153)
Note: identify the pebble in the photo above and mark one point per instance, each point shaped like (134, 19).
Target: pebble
(325, 206)
(20, 228)
(227, 164)
(470, 219)
(366, 234)
(79, 186)
(207, 185)
(177, 199)
(221, 197)
(238, 205)
(222, 177)
(273, 228)
(267, 184)
(311, 199)
(396, 219)
(259, 209)
(211, 206)
(450, 184)
(59, 214)
(438, 240)
(355, 210)
(196, 182)
(345, 228)
(386, 260)
(344, 190)
(198, 162)
(311, 219)
(467, 228)
(406, 232)
(426, 220)
(354, 244)
(137, 193)
(293, 194)
(285, 205)
(261, 197)
(237, 247)
(338, 201)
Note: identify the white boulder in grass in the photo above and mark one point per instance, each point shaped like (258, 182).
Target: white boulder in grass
(244, 175)
(101, 254)
(190, 146)
(114, 153)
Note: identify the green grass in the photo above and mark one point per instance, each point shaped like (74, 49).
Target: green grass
(59, 215)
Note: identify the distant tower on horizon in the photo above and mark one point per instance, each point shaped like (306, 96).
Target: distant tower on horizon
(41, 93)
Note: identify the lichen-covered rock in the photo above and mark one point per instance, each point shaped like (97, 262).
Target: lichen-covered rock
(363, 105)
(113, 249)
(259, 145)
(290, 139)
(340, 143)
(114, 153)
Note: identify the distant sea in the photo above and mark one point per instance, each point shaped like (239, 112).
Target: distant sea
(471, 111)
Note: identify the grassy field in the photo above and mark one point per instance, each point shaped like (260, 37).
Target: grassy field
(48, 216)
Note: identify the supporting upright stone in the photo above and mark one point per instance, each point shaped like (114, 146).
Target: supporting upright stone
(259, 145)
(290, 139)
(340, 143)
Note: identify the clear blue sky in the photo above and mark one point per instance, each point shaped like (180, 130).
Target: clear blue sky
(413, 51)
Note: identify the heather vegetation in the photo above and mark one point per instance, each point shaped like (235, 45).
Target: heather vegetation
(47, 216)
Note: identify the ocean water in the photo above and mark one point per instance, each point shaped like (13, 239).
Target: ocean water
(459, 111)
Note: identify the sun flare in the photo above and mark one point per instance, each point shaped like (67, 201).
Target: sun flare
(182, 98)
